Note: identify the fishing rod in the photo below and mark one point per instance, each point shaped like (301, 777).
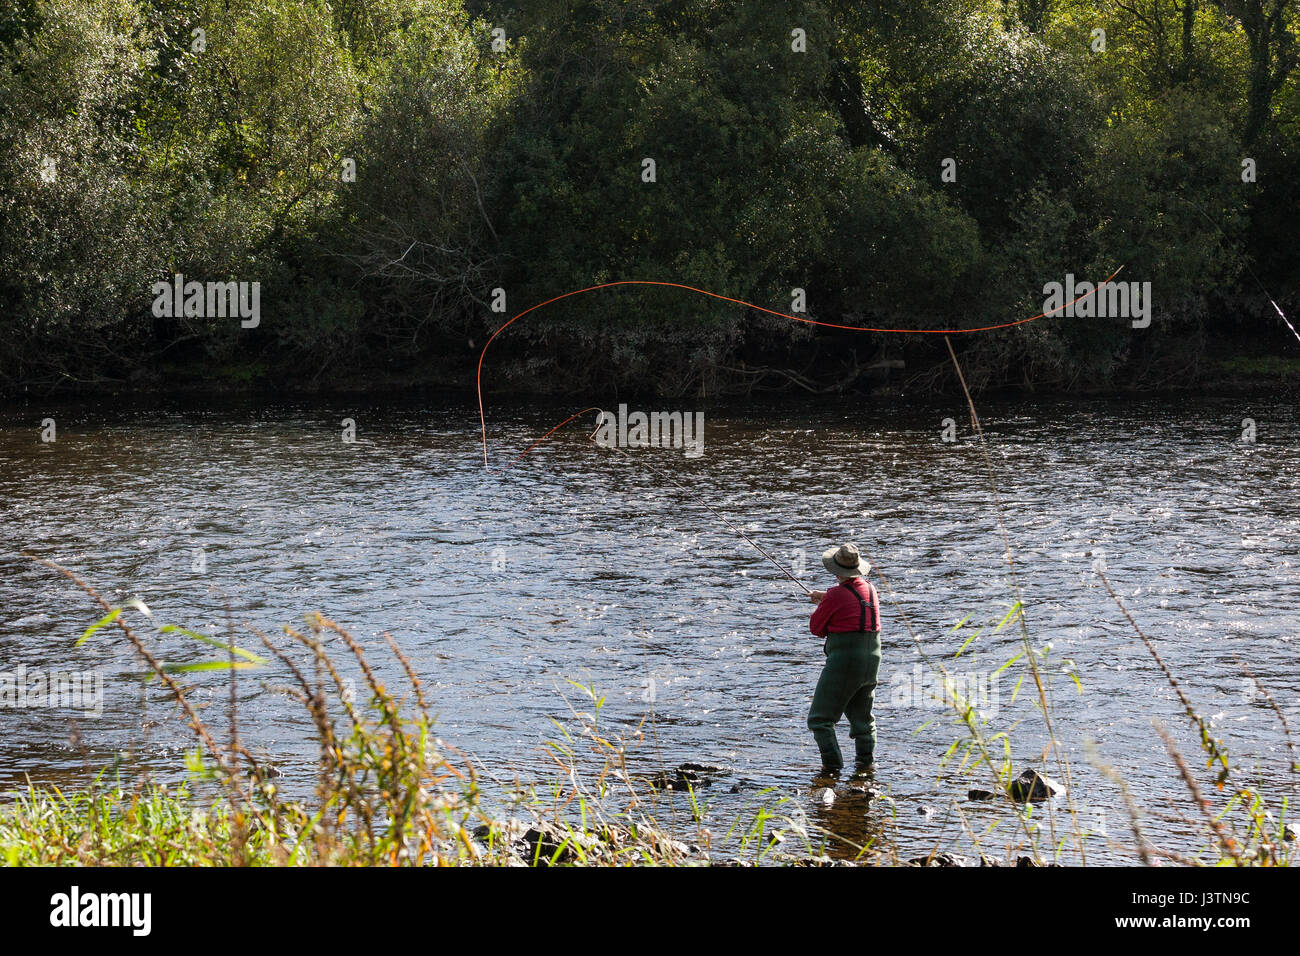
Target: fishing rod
(758, 547)
(889, 590)
(1246, 262)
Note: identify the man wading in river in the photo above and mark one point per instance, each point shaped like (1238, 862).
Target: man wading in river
(848, 619)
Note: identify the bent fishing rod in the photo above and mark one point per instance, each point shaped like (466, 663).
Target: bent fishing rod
(1271, 301)
(662, 474)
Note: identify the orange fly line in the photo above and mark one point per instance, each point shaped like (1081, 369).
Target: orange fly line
(725, 298)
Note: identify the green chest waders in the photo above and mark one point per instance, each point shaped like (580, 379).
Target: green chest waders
(847, 687)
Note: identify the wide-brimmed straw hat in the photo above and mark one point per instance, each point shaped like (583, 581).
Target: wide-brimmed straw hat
(845, 561)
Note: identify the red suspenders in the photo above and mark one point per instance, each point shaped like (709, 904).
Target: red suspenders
(862, 605)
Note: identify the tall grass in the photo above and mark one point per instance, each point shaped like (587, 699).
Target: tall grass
(387, 791)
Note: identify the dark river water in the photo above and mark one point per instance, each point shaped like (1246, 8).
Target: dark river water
(583, 565)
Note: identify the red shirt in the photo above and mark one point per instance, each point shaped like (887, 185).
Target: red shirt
(840, 611)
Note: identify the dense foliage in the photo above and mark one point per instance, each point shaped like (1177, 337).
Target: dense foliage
(503, 145)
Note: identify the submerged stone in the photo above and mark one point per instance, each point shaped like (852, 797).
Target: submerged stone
(1033, 787)
(687, 776)
(939, 859)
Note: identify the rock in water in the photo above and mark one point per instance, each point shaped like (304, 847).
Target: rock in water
(703, 769)
(981, 795)
(538, 839)
(823, 795)
(546, 841)
(939, 859)
(687, 776)
(1032, 787)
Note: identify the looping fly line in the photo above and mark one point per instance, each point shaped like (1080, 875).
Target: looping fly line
(750, 305)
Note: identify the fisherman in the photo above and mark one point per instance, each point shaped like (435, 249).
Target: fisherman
(848, 619)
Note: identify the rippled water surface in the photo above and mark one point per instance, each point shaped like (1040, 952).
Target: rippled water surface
(580, 564)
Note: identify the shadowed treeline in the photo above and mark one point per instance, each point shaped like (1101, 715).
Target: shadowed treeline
(381, 168)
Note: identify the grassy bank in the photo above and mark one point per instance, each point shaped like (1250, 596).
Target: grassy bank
(388, 792)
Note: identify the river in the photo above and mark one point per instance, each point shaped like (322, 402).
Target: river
(578, 564)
